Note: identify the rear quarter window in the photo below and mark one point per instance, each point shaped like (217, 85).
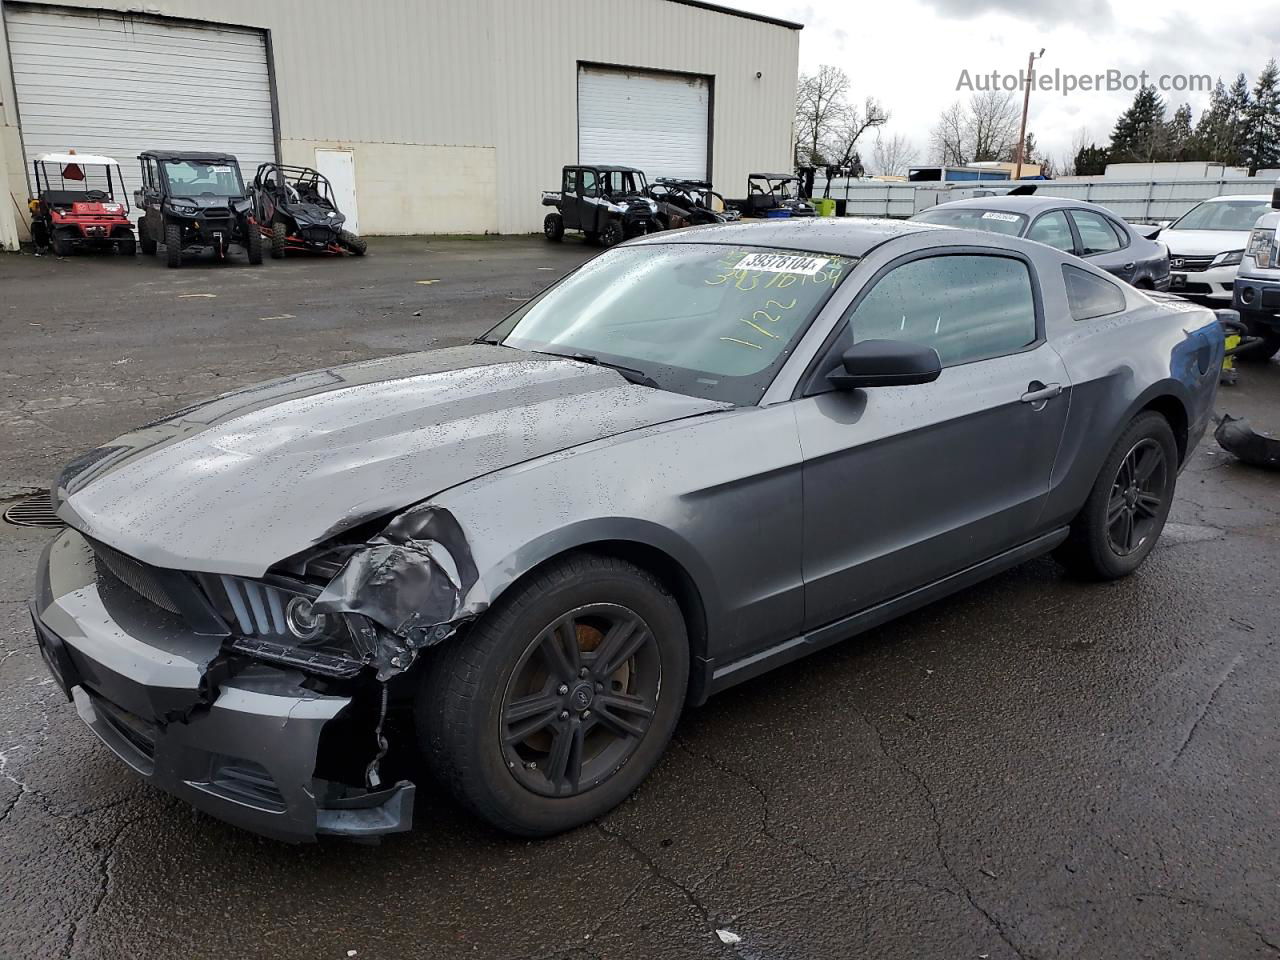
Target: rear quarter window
(1090, 296)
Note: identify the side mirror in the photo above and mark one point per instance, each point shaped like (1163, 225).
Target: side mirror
(885, 363)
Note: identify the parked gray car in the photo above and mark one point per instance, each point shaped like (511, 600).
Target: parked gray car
(699, 456)
(1085, 229)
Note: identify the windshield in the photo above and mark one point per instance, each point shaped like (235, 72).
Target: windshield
(617, 183)
(782, 189)
(195, 178)
(972, 218)
(1223, 215)
(708, 320)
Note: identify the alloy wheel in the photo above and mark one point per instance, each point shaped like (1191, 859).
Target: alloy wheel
(580, 700)
(1135, 509)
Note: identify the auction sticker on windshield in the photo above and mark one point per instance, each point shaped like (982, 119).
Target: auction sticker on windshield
(1002, 217)
(782, 263)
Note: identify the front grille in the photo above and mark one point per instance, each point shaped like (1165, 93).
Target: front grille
(137, 576)
(258, 607)
(316, 234)
(140, 734)
(215, 213)
(1191, 264)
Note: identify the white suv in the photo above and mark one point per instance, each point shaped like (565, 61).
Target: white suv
(1207, 243)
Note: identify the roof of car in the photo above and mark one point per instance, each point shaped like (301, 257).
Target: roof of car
(1251, 197)
(845, 236)
(86, 158)
(189, 155)
(609, 168)
(1029, 205)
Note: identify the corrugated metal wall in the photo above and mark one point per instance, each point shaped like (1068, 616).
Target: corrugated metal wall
(496, 76)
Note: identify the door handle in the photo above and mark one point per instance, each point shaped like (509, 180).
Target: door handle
(1038, 392)
(1130, 266)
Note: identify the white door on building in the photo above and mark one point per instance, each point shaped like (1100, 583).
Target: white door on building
(658, 122)
(118, 84)
(340, 167)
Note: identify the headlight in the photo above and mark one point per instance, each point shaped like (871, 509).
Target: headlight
(183, 206)
(1259, 248)
(1228, 259)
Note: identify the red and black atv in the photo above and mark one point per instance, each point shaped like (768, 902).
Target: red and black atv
(80, 202)
(296, 211)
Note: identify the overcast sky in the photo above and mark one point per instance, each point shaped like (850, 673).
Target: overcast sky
(909, 53)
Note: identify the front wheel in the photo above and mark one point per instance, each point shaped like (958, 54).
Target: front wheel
(279, 234)
(558, 702)
(173, 245)
(351, 243)
(613, 234)
(1128, 505)
(144, 238)
(62, 246)
(127, 246)
(253, 243)
(1268, 344)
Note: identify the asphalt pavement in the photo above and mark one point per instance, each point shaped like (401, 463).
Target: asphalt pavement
(1034, 768)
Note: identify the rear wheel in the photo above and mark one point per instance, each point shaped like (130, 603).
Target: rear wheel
(279, 234)
(1127, 508)
(253, 243)
(350, 242)
(553, 227)
(144, 238)
(173, 245)
(554, 707)
(612, 234)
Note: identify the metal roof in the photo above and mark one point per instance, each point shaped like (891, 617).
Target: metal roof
(745, 14)
(85, 158)
(189, 155)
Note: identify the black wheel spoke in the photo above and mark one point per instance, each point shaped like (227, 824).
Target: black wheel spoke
(1128, 530)
(564, 766)
(624, 714)
(524, 717)
(1115, 507)
(1147, 460)
(1149, 504)
(620, 644)
(560, 645)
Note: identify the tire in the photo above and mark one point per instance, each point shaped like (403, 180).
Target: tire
(471, 682)
(1264, 351)
(279, 233)
(591, 237)
(253, 243)
(127, 246)
(612, 234)
(1134, 490)
(553, 227)
(172, 245)
(144, 239)
(350, 242)
(62, 247)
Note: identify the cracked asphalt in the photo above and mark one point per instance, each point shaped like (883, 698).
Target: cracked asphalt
(1034, 768)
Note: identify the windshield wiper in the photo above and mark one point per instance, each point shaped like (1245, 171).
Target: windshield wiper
(633, 375)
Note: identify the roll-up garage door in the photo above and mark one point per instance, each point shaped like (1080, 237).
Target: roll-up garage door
(658, 122)
(113, 84)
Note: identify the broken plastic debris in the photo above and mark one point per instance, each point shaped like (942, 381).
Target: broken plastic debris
(728, 936)
(1236, 437)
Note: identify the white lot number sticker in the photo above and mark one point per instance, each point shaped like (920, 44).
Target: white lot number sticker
(782, 263)
(1002, 217)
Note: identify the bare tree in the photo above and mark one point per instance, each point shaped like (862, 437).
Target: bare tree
(821, 107)
(986, 128)
(842, 148)
(892, 156)
(1066, 165)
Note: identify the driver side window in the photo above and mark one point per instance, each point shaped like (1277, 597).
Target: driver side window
(588, 180)
(966, 306)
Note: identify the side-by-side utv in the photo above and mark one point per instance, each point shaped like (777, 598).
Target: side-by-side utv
(195, 201)
(773, 195)
(295, 210)
(688, 203)
(608, 204)
(79, 203)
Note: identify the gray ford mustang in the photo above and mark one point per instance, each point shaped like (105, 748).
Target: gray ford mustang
(701, 455)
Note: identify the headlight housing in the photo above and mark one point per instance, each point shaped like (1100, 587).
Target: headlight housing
(183, 206)
(1260, 247)
(1228, 259)
(274, 619)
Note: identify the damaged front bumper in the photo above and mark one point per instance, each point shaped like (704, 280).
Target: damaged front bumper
(240, 743)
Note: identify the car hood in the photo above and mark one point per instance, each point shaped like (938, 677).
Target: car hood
(238, 483)
(314, 213)
(1203, 243)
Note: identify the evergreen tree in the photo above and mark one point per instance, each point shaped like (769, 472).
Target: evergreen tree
(1212, 125)
(1139, 132)
(1178, 136)
(1261, 140)
(1238, 102)
(1091, 161)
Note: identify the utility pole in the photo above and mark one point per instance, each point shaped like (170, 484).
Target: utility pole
(1026, 103)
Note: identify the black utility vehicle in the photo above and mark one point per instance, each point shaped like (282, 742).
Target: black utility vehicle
(191, 201)
(608, 204)
(688, 203)
(295, 210)
(773, 195)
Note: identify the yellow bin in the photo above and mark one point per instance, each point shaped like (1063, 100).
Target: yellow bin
(825, 206)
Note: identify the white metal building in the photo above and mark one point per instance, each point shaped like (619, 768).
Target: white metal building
(430, 116)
